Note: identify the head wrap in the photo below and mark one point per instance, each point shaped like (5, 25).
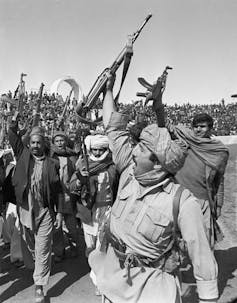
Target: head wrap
(60, 134)
(96, 141)
(170, 154)
(37, 130)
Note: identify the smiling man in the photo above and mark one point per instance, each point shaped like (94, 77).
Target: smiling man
(202, 125)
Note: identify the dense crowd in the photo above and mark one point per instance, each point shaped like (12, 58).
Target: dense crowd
(53, 107)
(224, 116)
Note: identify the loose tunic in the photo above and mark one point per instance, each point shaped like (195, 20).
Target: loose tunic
(143, 220)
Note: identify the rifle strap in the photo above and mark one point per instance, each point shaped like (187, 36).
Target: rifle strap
(174, 242)
(176, 205)
(127, 60)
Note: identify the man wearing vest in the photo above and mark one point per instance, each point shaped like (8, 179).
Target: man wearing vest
(134, 264)
(39, 198)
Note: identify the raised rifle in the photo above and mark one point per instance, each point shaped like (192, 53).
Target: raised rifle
(18, 98)
(16, 91)
(154, 92)
(99, 86)
(86, 197)
(62, 116)
(20, 93)
(36, 111)
(17, 102)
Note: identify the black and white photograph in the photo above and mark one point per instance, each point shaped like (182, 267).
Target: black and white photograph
(118, 151)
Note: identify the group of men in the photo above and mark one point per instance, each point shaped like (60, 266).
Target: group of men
(48, 182)
(150, 202)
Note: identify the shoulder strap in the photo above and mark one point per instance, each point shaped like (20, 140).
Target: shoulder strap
(173, 243)
(127, 59)
(176, 205)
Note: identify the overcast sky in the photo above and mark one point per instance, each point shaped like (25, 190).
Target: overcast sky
(49, 39)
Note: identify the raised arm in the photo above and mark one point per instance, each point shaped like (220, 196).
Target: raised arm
(14, 138)
(108, 104)
(115, 124)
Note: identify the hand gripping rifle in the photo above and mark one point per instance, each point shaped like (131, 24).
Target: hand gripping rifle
(99, 86)
(86, 197)
(18, 98)
(154, 92)
(21, 93)
(17, 102)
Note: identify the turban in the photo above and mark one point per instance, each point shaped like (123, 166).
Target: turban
(170, 154)
(37, 130)
(96, 141)
(60, 134)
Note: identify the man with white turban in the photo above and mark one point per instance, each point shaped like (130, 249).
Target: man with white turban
(103, 187)
(139, 256)
(97, 146)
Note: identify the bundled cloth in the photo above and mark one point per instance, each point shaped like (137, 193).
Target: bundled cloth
(96, 141)
(210, 150)
(171, 154)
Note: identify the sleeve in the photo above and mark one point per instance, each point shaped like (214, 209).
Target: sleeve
(119, 142)
(219, 180)
(220, 193)
(75, 184)
(58, 190)
(15, 140)
(2, 172)
(191, 224)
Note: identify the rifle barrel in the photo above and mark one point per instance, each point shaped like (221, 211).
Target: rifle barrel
(137, 33)
(102, 79)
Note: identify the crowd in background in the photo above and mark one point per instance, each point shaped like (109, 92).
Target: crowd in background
(224, 116)
(53, 106)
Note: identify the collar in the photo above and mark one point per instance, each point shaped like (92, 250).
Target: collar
(166, 185)
(41, 158)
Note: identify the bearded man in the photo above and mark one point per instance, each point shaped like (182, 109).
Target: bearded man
(39, 199)
(103, 186)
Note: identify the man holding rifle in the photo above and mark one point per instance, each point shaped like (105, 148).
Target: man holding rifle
(135, 262)
(66, 158)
